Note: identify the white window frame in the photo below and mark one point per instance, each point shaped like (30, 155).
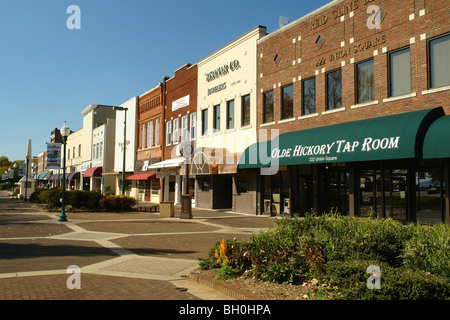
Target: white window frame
(193, 126)
(176, 131)
(169, 133)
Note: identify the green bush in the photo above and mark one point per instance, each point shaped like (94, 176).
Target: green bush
(414, 260)
(429, 250)
(117, 203)
(350, 278)
(78, 199)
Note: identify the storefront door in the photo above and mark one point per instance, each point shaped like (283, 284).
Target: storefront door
(148, 191)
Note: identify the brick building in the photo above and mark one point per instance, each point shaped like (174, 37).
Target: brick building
(150, 121)
(352, 101)
(180, 118)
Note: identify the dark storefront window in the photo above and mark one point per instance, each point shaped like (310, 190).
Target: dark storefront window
(287, 102)
(309, 96)
(268, 107)
(334, 89)
(365, 90)
(430, 191)
(334, 191)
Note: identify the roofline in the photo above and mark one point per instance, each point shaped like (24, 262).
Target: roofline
(300, 20)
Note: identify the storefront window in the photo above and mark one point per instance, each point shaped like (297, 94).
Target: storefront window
(429, 196)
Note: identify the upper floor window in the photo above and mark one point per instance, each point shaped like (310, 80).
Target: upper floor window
(287, 102)
(334, 89)
(193, 125)
(168, 133)
(216, 118)
(144, 135)
(365, 87)
(230, 114)
(245, 110)
(309, 96)
(268, 107)
(400, 73)
(204, 121)
(176, 132)
(439, 62)
(184, 128)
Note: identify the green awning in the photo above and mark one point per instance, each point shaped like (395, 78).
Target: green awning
(436, 144)
(398, 136)
(43, 175)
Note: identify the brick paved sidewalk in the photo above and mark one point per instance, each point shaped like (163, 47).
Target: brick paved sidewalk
(126, 256)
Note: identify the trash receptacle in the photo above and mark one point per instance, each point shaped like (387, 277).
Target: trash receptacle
(166, 209)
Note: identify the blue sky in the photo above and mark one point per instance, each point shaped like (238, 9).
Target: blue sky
(49, 74)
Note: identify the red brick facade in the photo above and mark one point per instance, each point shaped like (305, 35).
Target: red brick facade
(182, 85)
(291, 55)
(150, 108)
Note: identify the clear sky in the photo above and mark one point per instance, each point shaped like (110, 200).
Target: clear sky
(49, 73)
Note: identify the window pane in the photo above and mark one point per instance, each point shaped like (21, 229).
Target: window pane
(334, 89)
(176, 133)
(365, 82)
(150, 134)
(216, 120)
(156, 131)
(287, 102)
(400, 72)
(440, 62)
(268, 107)
(204, 121)
(143, 135)
(184, 128)
(230, 114)
(168, 133)
(193, 125)
(245, 110)
(309, 96)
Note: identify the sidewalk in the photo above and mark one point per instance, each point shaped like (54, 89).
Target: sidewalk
(125, 256)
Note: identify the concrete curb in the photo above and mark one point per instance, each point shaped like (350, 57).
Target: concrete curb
(222, 287)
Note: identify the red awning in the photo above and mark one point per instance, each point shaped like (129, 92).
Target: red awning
(143, 176)
(93, 172)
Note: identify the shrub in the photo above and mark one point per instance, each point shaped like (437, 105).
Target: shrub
(117, 203)
(429, 250)
(414, 260)
(76, 198)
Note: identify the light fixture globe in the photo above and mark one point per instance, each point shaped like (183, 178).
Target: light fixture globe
(65, 130)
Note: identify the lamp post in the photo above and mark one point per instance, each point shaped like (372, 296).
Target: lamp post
(65, 131)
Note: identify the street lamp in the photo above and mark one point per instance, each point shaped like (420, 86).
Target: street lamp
(65, 131)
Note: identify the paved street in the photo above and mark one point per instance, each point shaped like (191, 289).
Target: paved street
(121, 256)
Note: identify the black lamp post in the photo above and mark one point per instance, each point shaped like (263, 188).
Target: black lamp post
(65, 131)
